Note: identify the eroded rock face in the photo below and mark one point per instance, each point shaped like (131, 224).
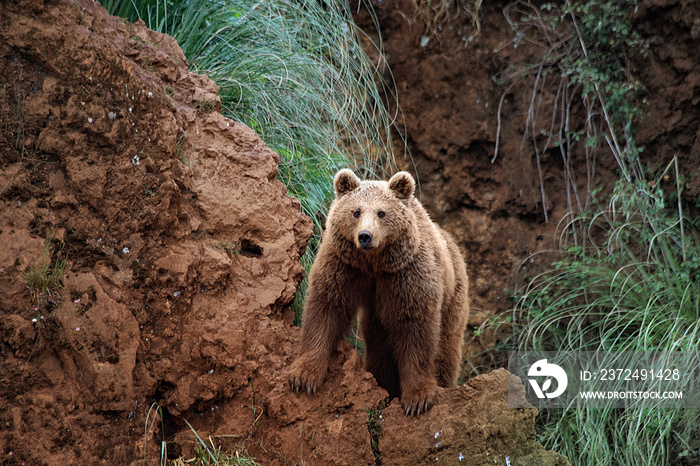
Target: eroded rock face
(182, 246)
(182, 257)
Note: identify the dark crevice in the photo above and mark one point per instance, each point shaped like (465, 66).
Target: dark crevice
(250, 249)
(375, 419)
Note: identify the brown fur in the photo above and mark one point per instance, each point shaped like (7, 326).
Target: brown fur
(410, 285)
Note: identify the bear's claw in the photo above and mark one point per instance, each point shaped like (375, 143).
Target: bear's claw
(418, 401)
(298, 384)
(304, 379)
(417, 409)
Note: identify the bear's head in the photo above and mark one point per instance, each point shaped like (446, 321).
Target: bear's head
(369, 218)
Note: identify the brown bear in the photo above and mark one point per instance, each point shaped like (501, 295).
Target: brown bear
(381, 254)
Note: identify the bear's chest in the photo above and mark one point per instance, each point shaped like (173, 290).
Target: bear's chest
(402, 296)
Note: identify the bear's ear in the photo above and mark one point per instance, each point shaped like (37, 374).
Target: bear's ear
(403, 185)
(344, 182)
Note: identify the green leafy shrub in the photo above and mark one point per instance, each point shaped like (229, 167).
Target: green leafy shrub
(584, 49)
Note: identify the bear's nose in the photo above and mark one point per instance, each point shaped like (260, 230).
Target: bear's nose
(364, 237)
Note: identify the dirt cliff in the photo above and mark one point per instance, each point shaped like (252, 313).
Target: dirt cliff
(180, 254)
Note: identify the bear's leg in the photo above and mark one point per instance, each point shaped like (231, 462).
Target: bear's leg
(413, 338)
(412, 319)
(449, 358)
(329, 310)
(454, 320)
(415, 347)
(379, 359)
(408, 306)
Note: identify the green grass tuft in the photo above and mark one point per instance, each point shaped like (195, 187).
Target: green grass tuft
(45, 280)
(206, 453)
(632, 285)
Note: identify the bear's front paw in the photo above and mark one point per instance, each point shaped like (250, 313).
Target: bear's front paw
(304, 376)
(419, 399)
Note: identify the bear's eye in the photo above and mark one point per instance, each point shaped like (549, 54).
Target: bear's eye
(356, 214)
(381, 214)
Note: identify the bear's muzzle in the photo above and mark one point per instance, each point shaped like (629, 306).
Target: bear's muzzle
(364, 237)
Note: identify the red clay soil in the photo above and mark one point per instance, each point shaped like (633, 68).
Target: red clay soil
(181, 254)
(448, 91)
